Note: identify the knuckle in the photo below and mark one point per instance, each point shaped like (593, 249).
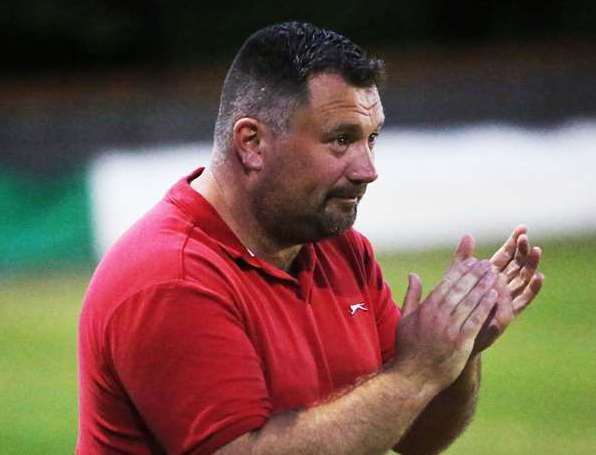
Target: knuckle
(506, 298)
(463, 266)
(502, 280)
(446, 283)
(512, 271)
(455, 289)
(452, 334)
(476, 319)
(487, 281)
(460, 287)
(516, 285)
(472, 298)
(469, 328)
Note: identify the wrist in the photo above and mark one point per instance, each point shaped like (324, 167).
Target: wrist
(469, 379)
(473, 364)
(409, 385)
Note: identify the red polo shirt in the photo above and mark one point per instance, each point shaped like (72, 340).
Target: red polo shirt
(186, 341)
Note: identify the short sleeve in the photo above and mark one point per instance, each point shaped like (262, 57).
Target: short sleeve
(387, 313)
(181, 353)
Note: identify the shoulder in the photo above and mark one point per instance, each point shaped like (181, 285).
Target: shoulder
(173, 300)
(162, 254)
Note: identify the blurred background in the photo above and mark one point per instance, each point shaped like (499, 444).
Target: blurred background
(491, 122)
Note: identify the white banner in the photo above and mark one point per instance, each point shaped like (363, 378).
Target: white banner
(434, 185)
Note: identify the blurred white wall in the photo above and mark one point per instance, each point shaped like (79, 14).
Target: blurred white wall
(434, 185)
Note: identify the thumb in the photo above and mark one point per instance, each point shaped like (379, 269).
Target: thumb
(465, 248)
(413, 294)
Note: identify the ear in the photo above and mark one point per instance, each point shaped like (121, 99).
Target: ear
(248, 143)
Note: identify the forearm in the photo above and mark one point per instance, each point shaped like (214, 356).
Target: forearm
(446, 416)
(369, 419)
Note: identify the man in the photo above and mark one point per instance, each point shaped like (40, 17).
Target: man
(244, 315)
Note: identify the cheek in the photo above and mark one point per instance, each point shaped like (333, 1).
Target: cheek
(315, 181)
(306, 172)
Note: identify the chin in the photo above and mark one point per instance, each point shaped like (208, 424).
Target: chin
(337, 225)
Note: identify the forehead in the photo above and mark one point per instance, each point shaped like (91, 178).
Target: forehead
(332, 99)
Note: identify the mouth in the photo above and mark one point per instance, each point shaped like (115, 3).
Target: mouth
(346, 201)
(351, 196)
(350, 200)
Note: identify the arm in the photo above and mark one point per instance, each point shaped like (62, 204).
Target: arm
(435, 339)
(363, 420)
(448, 414)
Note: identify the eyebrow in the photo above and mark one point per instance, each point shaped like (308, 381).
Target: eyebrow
(351, 128)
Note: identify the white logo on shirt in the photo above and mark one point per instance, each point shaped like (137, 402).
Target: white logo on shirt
(356, 307)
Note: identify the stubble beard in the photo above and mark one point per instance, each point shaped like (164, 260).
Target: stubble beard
(290, 223)
(334, 221)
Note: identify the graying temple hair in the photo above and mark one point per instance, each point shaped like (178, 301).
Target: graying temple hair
(259, 101)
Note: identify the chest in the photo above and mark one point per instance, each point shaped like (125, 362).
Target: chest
(313, 340)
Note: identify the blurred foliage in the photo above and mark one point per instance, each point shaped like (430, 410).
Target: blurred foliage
(102, 33)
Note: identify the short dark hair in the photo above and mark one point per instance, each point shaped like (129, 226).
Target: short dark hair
(269, 75)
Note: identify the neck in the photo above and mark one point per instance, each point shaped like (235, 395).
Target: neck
(233, 207)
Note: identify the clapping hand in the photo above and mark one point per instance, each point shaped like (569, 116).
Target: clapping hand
(518, 281)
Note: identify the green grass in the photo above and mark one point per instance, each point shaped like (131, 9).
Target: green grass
(38, 319)
(539, 387)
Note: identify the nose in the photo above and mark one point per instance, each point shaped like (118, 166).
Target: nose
(362, 168)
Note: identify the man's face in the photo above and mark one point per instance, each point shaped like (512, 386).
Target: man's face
(315, 174)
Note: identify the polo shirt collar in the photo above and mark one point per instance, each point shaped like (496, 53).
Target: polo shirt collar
(203, 215)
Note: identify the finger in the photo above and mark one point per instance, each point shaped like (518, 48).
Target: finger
(503, 315)
(531, 291)
(455, 272)
(464, 285)
(475, 320)
(413, 294)
(467, 305)
(503, 310)
(502, 289)
(465, 248)
(520, 259)
(505, 254)
(498, 319)
(488, 334)
(521, 280)
(523, 247)
(491, 329)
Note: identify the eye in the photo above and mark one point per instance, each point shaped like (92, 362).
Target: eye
(373, 138)
(342, 140)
